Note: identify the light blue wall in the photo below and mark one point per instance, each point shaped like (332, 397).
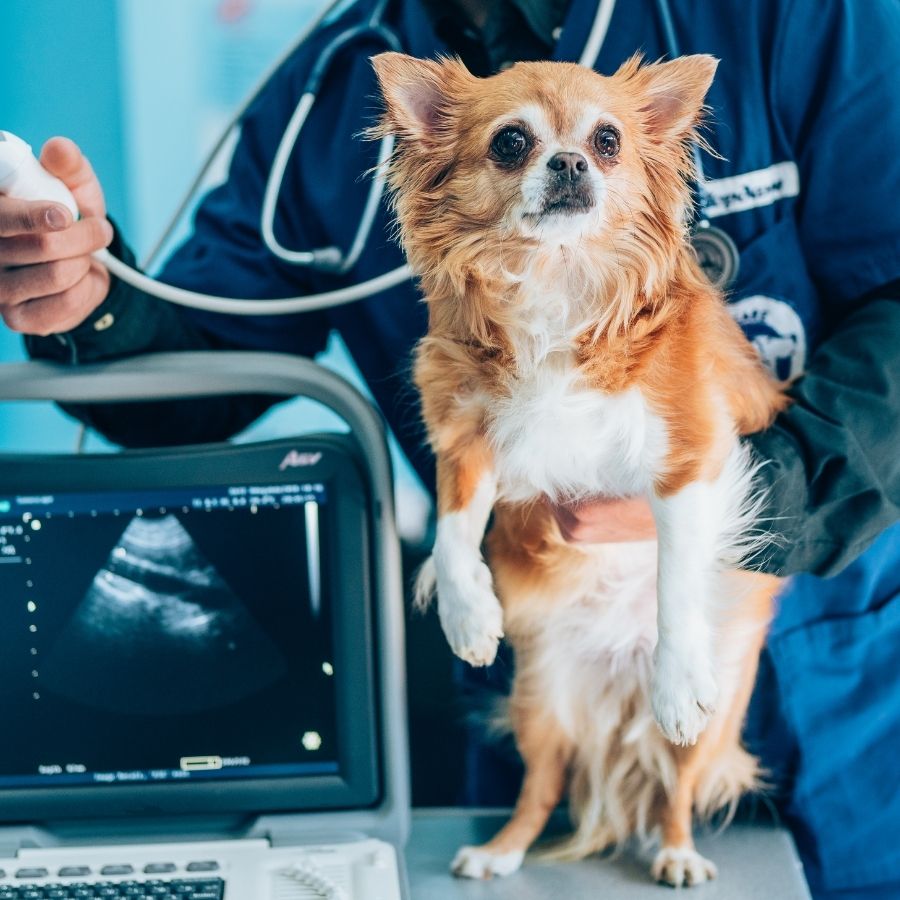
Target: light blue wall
(186, 67)
(145, 87)
(59, 74)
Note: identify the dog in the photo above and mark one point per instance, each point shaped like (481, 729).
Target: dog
(575, 349)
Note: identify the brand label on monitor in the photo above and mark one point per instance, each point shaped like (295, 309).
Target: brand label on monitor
(295, 459)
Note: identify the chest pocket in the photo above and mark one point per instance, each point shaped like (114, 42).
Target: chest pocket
(774, 300)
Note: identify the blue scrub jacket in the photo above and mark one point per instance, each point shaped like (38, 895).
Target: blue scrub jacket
(805, 114)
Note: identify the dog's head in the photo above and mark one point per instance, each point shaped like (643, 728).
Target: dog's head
(541, 156)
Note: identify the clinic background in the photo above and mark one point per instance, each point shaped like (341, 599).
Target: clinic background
(145, 88)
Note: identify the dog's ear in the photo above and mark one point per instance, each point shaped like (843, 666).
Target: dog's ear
(418, 93)
(674, 93)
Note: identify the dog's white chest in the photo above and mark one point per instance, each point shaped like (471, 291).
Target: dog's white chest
(553, 434)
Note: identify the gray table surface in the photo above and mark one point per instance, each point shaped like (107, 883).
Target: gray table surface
(756, 861)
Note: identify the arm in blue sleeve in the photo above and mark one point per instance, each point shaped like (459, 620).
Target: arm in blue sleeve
(833, 465)
(223, 256)
(143, 324)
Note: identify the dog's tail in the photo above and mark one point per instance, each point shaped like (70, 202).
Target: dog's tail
(727, 778)
(614, 798)
(609, 806)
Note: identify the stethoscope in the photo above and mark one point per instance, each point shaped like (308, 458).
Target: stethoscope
(715, 250)
(330, 259)
(324, 259)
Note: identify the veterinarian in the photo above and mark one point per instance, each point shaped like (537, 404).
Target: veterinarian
(806, 119)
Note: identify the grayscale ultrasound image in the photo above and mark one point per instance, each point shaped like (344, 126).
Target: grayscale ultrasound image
(159, 631)
(136, 638)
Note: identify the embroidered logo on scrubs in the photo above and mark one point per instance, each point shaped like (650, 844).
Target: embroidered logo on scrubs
(777, 332)
(762, 187)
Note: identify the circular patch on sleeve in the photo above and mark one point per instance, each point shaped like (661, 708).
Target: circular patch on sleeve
(776, 330)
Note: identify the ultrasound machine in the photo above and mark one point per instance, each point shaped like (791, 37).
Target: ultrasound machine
(201, 655)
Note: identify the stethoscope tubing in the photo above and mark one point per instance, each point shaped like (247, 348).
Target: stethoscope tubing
(329, 258)
(716, 250)
(670, 37)
(247, 307)
(262, 82)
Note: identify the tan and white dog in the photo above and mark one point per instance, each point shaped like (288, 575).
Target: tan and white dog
(575, 349)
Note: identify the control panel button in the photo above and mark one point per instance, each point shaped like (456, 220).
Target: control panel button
(117, 870)
(31, 873)
(206, 865)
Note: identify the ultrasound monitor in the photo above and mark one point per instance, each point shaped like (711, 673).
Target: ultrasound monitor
(178, 637)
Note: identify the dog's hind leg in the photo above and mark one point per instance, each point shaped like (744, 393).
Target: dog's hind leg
(546, 753)
(717, 770)
(678, 863)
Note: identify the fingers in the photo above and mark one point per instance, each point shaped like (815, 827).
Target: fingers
(19, 217)
(578, 523)
(48, 280)
(60, 311)
(81, 239)
(605, 520)
(568, 523)
(31, 282)
(63, 158)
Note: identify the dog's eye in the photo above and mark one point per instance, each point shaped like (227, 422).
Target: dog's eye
(606, 140)
(510, 144)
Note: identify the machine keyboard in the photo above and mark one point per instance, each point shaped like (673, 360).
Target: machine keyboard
(183, 889)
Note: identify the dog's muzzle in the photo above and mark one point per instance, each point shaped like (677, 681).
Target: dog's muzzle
(568, 189)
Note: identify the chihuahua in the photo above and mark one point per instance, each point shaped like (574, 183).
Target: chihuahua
(574, 350)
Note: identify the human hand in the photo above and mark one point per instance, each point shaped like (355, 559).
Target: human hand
(605, 520)
(49, 283)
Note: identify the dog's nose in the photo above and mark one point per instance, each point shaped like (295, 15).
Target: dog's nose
(568, 166)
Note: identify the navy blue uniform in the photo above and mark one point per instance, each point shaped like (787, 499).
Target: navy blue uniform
(805, 116)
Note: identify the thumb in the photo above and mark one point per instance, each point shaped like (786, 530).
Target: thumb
(63, 158)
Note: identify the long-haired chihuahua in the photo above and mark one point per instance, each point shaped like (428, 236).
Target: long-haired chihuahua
(575, 349)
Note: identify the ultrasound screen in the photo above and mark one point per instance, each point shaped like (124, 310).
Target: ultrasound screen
(166, 636)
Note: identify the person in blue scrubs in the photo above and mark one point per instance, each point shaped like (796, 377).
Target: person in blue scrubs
(806, 121)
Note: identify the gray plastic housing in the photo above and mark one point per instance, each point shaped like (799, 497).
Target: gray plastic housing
(207, 374)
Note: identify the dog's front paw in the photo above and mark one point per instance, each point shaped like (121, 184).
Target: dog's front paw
(470, 613)
(479, 862)
(683, 696)
(681, 867)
